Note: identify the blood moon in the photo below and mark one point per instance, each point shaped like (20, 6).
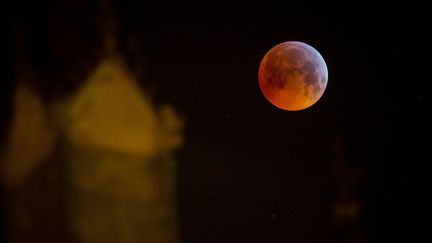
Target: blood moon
(293, 75)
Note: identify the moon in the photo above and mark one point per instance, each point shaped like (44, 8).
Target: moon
(293, 75)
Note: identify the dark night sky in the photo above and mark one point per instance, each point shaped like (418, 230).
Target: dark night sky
(253, 173)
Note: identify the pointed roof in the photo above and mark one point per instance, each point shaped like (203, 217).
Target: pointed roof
(111, 112)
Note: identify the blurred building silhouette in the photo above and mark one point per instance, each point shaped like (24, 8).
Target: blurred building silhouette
(347, 176)
(88, 156)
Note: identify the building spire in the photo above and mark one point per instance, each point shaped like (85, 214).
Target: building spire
(108, 27)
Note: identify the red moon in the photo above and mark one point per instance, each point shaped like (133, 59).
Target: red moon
(293, 75)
